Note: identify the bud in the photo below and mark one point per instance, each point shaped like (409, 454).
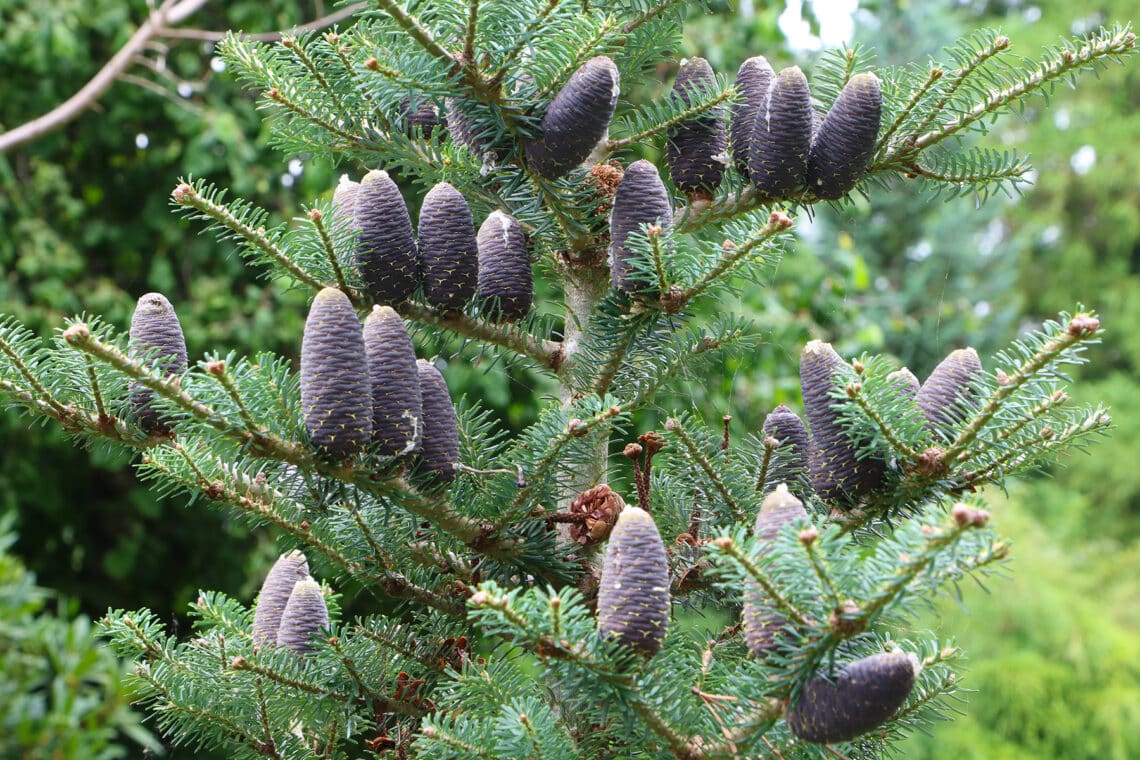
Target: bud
(386, 248)
(845, 141)
(789, 463)
(781, 139)
(633, 598)
(289, 568)
(837, 473)
(156, 336)
(336, 400)
(576, 119)
(860, 698)
(397, 407)
(438, 459)
(448, 248)
(305, 615)
(695, 149)
(641, 198)
(752, 82)
(505, 282)
(761, 625)
(948, 397)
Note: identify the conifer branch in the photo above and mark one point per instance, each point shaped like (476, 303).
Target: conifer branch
(1054, 401)
(218, 371)
(854, 391)
(290, 42)
(546, 353)
(935, 75)
(733, 256)
(96, 391)
(674, 426)
(525, 37)
(279, 97)
(317, 218)
(770, 445)
(674, 120)
(818, 566)
(416, 31)
(655, 10)
(297, 684)
(437, 733)
(37, 388)
(263, 715)
(780, 602)
(996, 46)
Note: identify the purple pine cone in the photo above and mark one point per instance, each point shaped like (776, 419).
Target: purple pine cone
(641, 198)
(305, 616)
(781, 139)
(386, 248)
(633, 598)
(155, 332)
(695, 149)
(948, 398)
(448, 249)
(845, 141)
(761, 625)
(790, 461)
(397, 407)
(506, 282)
(576, 119)
(289, 568)
(437, 462)
(752, 82)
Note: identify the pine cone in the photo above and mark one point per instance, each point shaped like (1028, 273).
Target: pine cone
(761, 625)
(641, 198)
(344, 201)
(438, 459)
(846, 138)
(397, 407)
(790, 461)
(506, 282)
(460, 124)
(576, 119)
(838, 474)
(289, 568)
(947, 398)
(424, 119)
(752, 82)
(305, 616)
(155, 336)
(904, 381)
(448, 249)
(781, 139)
(633, 598)
(861, 697)
(597, 510)
(386, 248)
(695, 149)
(335, 396)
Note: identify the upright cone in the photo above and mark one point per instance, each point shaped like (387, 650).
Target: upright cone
(633, 598)
(781, 139)
(752, 82)
(506, 282)
(306, 615)
(696, 149)
(641, 198)
(861, 697)
(397, 407)
(761, 625)
(386, 248)
(438, 459)
(289, 568)
(448, 249)
(156, 335)
(424, 119)
(948, 397)
(904, 381)
(336, 399)
(845, 141)
(344, 200)
(790, 461)
(576, 120)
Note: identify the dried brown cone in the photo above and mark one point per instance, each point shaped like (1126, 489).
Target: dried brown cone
(633, 597)
(156, 337)
(289, 568)
(336, 398)
(397, 406)
(860, 698)
(839, 476)
(846, 139)
(506, 282)
(761, 625)
(695, 149)
(437, 462)
(948, 397)
(752, 82)
(790, 461)
(781, 139)
(448, 248)
(576, 120)
(641, 199)
(595, 511)
(386, 248)
(306, 615)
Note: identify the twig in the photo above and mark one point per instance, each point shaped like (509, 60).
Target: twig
(698, 456)
(679, 118)
(317, 219)
(547, 353)
(207, 35)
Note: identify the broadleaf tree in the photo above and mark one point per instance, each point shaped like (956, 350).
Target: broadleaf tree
(537, 596)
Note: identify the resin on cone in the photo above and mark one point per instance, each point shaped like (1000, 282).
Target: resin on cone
(438, 459)
(839, 476)
(696, 149)
(506, 282)
(156, 336)
(336, 398)
(781, 139)
(846, 139)
(641, 199)
(860, 698)
(761, 624)
(289, 568)
(448, 249)
(397, 407)
(752, 81)
(789, 462)
(633, 598)
(306, 615)
(948, 397)
(385, 248)
(576, 120)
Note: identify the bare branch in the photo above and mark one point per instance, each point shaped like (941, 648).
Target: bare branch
(209, 35)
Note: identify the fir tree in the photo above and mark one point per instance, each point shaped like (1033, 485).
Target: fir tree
(489, 567)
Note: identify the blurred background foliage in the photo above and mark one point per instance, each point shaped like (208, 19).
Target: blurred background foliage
(84, 211)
